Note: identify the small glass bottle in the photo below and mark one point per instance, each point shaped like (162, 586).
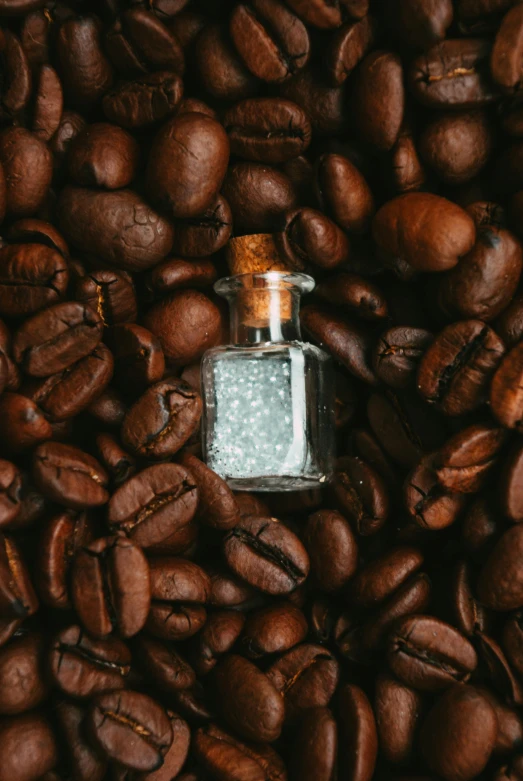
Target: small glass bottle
(268, 397)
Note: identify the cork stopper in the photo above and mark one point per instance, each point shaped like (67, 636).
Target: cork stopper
(259, 304)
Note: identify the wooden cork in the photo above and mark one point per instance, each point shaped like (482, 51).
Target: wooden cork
(257, 254)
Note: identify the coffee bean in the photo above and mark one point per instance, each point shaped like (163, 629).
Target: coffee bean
(82, 666)
(164, 665)
(397, 355)
(499, 670)
(384, 575)
(28, 747)
(32, 277)
(138, 41)
(332, 549)
(110, 587)
(86, 72)
(423, 24)
(258, 196)
(23, 685)
(398, 709)
(428, 654)
(463, 463)
(505, 394)
(219, 634)
(69, 476)
(111, 293)
(222, 71)
(217, 505)
(267, 554)
(506, 52)
(28, 167)
(458, 146)
(470, 616)
(357, 731)
(205, 234)
(179, 591)
(273, 629)
(131, 728)
(481, 527)
(413, 597)
(177, 273)
(361, 495)
(378, 99)
(445, 737)
(314, 752)
(218, 752)
(326, 15)
(306, 677)
(143, 101)
(500, 584)
(457, 367)
(154, 504)
(343, 193)
(349, 45)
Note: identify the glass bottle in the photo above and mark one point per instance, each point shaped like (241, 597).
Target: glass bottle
(268, 397)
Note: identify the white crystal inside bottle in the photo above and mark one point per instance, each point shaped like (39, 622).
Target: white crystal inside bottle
(260, 410)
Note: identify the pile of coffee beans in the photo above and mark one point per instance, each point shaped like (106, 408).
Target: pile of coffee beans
(153, 624)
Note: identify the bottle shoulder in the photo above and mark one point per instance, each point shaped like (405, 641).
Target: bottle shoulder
(229, 351)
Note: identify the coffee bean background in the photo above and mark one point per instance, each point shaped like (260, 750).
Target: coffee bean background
(154, 625)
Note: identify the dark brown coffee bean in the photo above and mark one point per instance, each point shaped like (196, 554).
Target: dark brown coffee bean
(65, 394)
(460, 713)
(48, 103)
(16, 75)
(186, 323)
(154, 504)
(179, 591)
(177, 273)
(139, 359)
(457, 367)
(175, 757)
(187, 164)
(62, 536)
(429, 504)
(453, 74)
(357, 732)
(22, 680)
(131, 728)
(28, 167)
(28, 747)
(119, 463)
(361, 494)
(428, 654)
(17, 596)
(144, 100)
(111, 293)
(267, 130)
(485, 280)
(413, 597)
(500, 585)
(481, 526)
(348, 47)
(327, 15)
(347, 341)
(110, 587)
(398, 353)
(505, 59)
(164, 665)
(332, 549)
(103, 155)
(381, 577)
(409, 228)
(470, 615)
(52, 340)
(378, 99)
(217, 505)
(509, 324)
(259, 196)
(512, 639)
(271, 40)
(220, 632)
(162, 420)
(82, 666)
(357, 295)
(32, 277)
(457, 146)
(218, 752)
(11, 491)
(273, 629)
(250, 703)
(86, 72)
(87, 763)
(138, 42)
(309, 237)
(306, 677)
(314, 753)
(343, 193)
(498, 670)
(398, 709)
(22, 424)
(205, 234)
(68, 476)
(267, 554)
(117, 227)
(423, 24)
(222, 71)
(506, 398)
(463, 463)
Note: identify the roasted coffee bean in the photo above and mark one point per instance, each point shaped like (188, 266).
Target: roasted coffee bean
(138, 356)
(32, 277)
(470, 616)
(343, 193)
(500, 584)
(179, 591)
(69, 476)
(219, 634)
(11, 486)
(408, 229)
(309, 237)
(446, 732)
(456, 368)
(167, 669)
(28, 167)
(271, 40)
(220, 68)
(361, 494)
(398, 709)
(82, 666)
(62, 536)
(378, 99)
(332, 549)
(513, 642)
(397, 355)
(17, 596)
(506, 399)
(196, 149)
(505, 59)
(218, 752)
(144, 100)
(314, 752)
(326, 15)
(85, 71)
(28, 747)
(259, 196)
(481, 526)
(87, 763)
(349, 45)
(306, 677)
(463, 463)
(427, 501)
(116, 226)
(110, 587)
(273, 629)
(154, 504)
(177, 273)
(22, 679)
(138, 42)
(457, 146)
(103, 155)
(357, 731)
(267, 130)
(428, 654)
(186, 323)
(509, 324)
(354, 293)
(52, 340)
(498, 669)
(267, 554)
(384, 575)
(217, 505)
(118, 462)
(250, 703)
(453, 74)
(111, 293)
(205, 234)
(131, 728)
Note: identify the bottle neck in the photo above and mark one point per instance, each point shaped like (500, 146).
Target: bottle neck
(267, 315)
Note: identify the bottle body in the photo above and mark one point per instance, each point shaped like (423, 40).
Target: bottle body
(268, 415)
